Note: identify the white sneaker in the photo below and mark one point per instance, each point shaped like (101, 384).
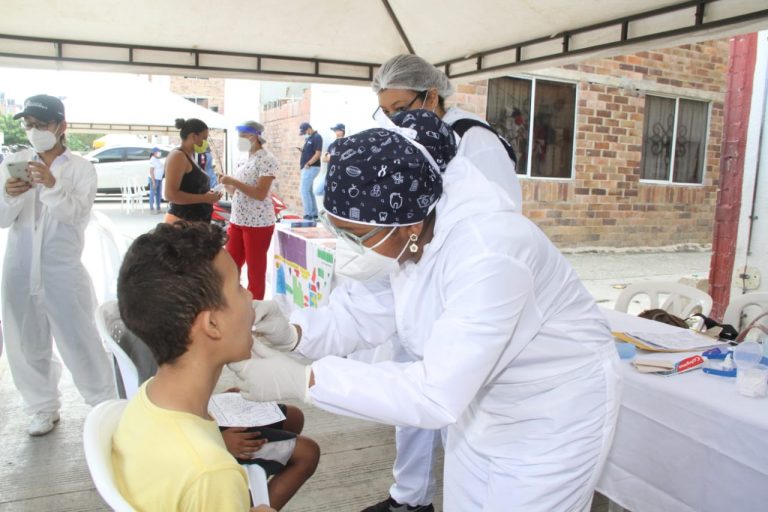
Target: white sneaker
(42, 423)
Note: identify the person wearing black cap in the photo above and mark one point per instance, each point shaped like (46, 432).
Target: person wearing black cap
(496, 340)
(310, 166)
(339, 130)
(47, 293)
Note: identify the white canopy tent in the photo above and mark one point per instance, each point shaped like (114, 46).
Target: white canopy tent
(344, 40)
(133, 105)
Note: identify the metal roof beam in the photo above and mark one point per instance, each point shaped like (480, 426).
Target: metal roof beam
(605, 35)
(186, 59)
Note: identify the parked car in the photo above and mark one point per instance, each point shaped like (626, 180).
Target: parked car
(117, 166)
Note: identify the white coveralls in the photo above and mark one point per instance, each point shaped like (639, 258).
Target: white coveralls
(512, 356)
(414, 479)
(46, 290)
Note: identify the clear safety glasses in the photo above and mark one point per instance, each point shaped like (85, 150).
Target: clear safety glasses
(419, 94)
(355, 241)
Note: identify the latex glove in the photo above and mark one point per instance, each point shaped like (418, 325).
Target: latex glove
(271, 375)
(271, 325)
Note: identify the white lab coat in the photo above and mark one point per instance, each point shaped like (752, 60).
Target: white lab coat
(46, 291)
(483, 148)
(512, 355)
(414, 480)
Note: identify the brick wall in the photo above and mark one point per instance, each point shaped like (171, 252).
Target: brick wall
(281, 129)
(212, 89)
(605, 203)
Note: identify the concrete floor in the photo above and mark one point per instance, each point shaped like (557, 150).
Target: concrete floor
(49, 473)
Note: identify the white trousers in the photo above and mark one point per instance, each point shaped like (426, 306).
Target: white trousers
(553, 459)
(29, 323)
(414, 477)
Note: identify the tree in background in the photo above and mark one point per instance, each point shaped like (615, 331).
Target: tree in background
(12, 130)
(82, 142)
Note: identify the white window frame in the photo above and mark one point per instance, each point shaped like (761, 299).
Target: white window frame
(533, 79)
(671, 170)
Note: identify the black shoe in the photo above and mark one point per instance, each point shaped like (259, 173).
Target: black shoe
(390, 505)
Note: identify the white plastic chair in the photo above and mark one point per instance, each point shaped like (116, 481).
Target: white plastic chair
(678, 299)
(744, 308)
(100, 425)
(110, 327)
(257, 482)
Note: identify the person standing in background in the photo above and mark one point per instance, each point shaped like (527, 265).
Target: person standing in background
(310, 166)
(253, 216)
(156, 174)
(47, 293)
(339, 129)
(187, 187)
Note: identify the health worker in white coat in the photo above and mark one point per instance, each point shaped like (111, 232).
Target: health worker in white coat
(510, 351)
(46, 291)
(408, 82)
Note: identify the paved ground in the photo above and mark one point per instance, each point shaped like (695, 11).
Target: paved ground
(49, 473)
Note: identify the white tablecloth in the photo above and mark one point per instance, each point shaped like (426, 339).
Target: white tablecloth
(687, 442)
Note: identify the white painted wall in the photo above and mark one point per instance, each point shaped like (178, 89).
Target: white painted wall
(348, 104)
(755, 185)
(242, 102)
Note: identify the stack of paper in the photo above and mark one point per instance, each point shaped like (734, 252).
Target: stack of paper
(677, 341)
(232, 410)
(659, 367)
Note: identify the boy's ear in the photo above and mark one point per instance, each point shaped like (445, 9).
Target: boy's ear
(207, 323)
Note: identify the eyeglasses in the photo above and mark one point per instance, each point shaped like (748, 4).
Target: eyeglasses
(421, 94)
(355, 241)
(40, 125)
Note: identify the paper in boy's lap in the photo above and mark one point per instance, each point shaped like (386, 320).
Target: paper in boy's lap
(232, 410)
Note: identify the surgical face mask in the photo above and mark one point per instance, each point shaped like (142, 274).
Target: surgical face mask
(202, 147)
(306, 136)
(367, 266)
(42, 140)
(244, 144)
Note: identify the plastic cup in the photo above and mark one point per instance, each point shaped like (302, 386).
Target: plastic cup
(752, 381)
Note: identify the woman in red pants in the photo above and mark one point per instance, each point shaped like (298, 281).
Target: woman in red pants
(253, 217)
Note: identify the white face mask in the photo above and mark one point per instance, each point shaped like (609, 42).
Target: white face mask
(367, 266)
(41, 140)
(244, 144)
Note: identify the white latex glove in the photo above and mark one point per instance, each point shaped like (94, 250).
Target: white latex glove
(271, 375)
(273, 327)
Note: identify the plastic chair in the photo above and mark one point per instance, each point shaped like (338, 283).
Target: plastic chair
(680, 300)
(103, 254)
(111, 327)
(100, 425)
(736, 312)
(257, 482)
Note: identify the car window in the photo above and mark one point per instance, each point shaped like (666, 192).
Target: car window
(110, 155)
(164, 153)
(137, 153)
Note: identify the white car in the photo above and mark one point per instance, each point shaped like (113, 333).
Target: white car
(118, 166)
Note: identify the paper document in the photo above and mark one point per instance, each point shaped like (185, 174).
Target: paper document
(678, 341)
(232, 410)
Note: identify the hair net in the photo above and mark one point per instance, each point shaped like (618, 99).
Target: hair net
(411, 72)
(379, 176)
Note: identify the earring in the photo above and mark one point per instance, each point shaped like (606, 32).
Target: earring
(413, 247)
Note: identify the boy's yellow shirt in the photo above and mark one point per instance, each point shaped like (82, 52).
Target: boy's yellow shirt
(170, 460)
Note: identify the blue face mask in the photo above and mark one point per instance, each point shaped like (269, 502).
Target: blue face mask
(306, 136)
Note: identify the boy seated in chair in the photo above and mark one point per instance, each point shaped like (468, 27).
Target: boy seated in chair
(179, 291)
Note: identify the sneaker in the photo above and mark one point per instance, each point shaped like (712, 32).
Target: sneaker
(390, 505)
(42, 423)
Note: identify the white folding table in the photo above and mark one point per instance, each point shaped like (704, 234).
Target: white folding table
(687, 442)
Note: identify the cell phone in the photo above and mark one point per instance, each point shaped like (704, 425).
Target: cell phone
(19, 170)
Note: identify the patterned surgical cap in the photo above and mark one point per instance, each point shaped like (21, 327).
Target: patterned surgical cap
(380, 176)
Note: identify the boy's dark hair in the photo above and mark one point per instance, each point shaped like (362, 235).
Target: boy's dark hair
(167, 278)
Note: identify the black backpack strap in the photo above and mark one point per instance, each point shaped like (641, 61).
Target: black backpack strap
(462, 125)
